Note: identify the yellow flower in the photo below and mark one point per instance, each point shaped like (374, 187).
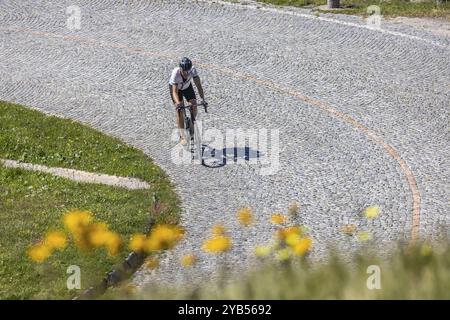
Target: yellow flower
(302, 246)
(39, 253)
(218, 230)
(188, 260)
(137, 242)
(283, 254)
(349, 229)
(283, 233)
(113, 243)
(217, 244)
(97, 234)
(364, 236)
(372, 212)
(55, 240)
(75, 221)
(152, 263)
(151, 245)
(292, 239)
(278, 218)
(245, 216)
(262, 251)
(294, 208)
(164, 237)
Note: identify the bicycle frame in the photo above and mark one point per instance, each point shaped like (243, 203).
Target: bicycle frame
(190, 107)
(192, 136)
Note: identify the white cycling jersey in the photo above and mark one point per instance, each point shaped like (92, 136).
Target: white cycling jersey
(177, 78)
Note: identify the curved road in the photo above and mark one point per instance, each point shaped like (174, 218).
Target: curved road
(362, 114)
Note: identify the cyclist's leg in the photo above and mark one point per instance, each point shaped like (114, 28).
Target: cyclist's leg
(189, 94)
(180, 117)
(179, 113)
(194, 107)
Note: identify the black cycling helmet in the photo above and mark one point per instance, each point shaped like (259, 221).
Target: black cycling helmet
(186, 64)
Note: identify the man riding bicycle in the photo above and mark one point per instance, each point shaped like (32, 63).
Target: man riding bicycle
(180, 86)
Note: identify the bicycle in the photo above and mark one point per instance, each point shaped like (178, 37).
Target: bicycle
(191, 131)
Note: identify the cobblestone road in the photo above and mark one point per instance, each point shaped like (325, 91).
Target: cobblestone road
(362, 114)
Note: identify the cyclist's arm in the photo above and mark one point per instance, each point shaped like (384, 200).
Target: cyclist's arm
(175, 94)
(198, 84)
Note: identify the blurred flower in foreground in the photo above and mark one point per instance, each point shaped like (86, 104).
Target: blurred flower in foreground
(372, 212)
(188, 260)
(301, 247)
(217, 244)
(364, 236)
(137, 242)
(113, 243)
(284, 233)
(294, 208)
(349, 229)
(164, 237)
(97, 233)
(278, 218)
(55, 240)
(292, 239)
(39, 253)
(262, 251)
(245, 216)
(75, 221)
(88, 235)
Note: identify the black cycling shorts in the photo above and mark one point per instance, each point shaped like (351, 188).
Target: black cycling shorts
(188, 93)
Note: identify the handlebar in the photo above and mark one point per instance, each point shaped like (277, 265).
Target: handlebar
(188, 106)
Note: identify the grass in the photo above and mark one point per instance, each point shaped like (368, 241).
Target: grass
(32, 203)
(410, 273)
(390, 8)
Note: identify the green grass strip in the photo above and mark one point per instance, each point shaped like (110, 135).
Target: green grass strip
(31, 203)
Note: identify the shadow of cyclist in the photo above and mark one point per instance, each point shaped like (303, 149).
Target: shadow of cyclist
(214, 158)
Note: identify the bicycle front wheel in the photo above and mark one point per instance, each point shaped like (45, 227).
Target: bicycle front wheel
(198, 143)
(187, 132)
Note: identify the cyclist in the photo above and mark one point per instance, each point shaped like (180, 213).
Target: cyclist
(180, 86)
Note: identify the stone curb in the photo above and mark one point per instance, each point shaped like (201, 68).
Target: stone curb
(114, 277)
